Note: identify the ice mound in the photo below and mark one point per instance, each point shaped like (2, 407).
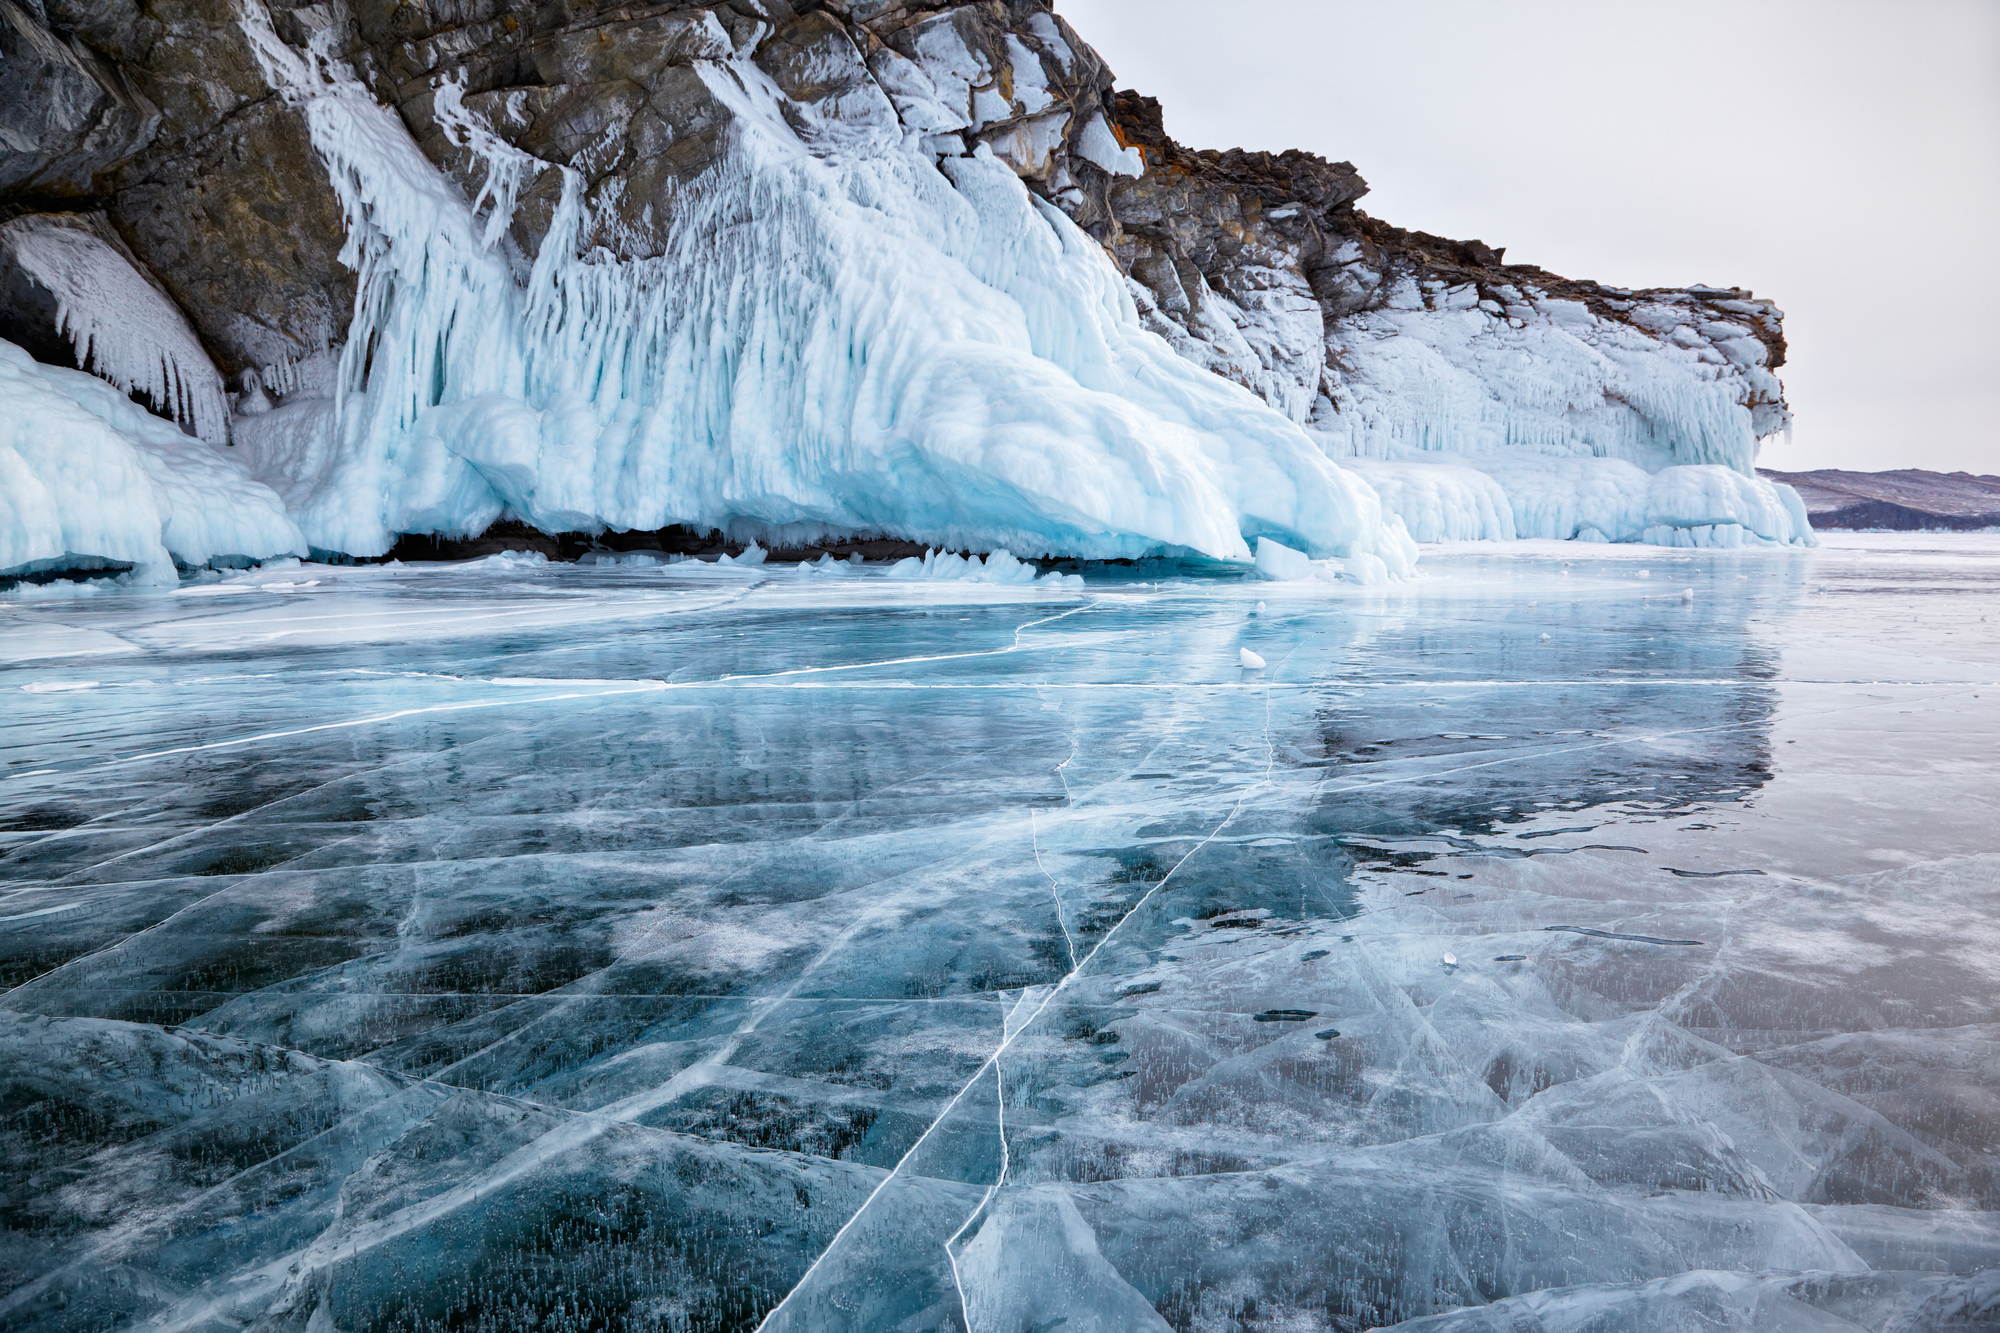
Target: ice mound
(838, 336)
(89, 478)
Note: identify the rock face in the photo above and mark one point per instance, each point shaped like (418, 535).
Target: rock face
(158, 116)
(204, 133)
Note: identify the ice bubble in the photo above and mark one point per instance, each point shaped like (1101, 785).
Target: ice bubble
(1545, 637)
(1451, 960)
(1252, 662)
(1687, 595)
(1645, 573)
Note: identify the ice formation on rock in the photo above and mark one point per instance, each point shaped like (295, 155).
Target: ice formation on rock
(1542, 418)
(1528, 393)
(835, 336)
(122, 326)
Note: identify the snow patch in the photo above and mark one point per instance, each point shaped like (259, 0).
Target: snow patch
(1096, 143)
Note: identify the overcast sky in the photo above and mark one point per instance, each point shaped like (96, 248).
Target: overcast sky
(1841, 157)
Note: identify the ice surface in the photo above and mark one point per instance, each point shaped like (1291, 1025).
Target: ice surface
(687, 946)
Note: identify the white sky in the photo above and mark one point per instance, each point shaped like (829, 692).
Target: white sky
(1841, 157)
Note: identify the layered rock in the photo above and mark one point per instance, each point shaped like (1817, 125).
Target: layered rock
(613, 192)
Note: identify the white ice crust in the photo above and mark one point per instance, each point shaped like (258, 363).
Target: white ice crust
(86, 475)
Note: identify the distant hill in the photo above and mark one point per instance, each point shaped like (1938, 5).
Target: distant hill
(1905, 500)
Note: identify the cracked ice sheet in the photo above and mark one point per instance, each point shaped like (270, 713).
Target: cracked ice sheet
(642, 940)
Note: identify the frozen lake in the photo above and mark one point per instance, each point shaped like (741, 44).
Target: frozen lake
(505, 946)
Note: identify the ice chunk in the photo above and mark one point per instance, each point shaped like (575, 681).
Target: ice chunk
(1249, 660)
(999, 567)
(1280, 563)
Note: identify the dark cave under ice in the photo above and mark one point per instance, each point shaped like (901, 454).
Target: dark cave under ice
(509, 946)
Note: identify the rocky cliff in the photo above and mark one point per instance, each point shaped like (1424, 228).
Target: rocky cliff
(802, 268)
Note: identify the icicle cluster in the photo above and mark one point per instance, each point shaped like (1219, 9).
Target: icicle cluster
(122, 327)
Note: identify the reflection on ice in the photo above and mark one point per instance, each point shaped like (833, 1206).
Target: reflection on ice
(674, 947)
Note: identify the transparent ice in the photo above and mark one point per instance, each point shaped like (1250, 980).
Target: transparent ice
(1525, 946)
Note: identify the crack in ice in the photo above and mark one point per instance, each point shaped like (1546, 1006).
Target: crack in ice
(1055, 891)
(1009, 1033)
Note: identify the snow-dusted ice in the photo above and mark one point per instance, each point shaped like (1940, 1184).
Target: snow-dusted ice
(677, 946)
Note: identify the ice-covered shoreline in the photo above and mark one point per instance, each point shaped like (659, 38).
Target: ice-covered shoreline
(916, 276)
